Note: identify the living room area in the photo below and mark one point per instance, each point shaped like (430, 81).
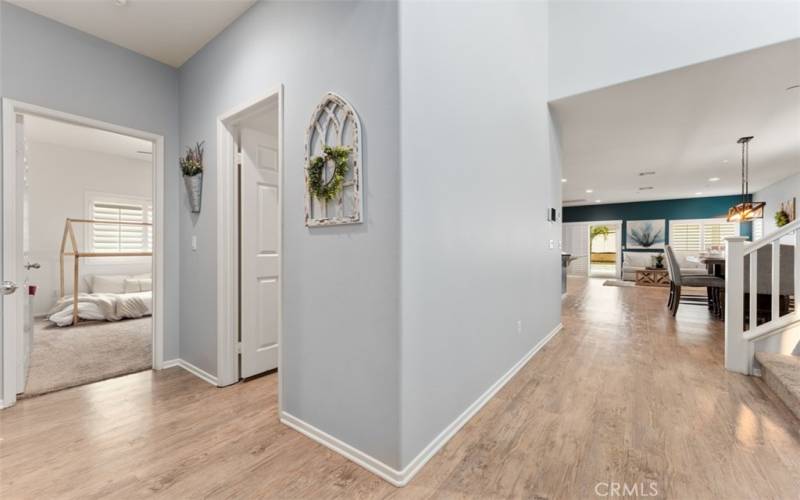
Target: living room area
(677, 162)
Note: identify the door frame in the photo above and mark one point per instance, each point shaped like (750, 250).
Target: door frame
(228, 238)
(618, 262)
(12, 256)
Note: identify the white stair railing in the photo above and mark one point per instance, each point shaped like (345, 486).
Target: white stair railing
(739, 337)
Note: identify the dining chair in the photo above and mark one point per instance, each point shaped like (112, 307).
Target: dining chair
(677, 281)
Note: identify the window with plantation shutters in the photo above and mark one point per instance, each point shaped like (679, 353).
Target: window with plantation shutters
(693, 236)
(758, 229)
(685, 236)
(113, 237)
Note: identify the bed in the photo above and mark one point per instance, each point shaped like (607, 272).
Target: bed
(110, 297)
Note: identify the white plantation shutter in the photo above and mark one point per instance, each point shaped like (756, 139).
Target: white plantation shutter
(716, 232)
(758, 229)
(693, 236)
(117, 238)
(685, 236)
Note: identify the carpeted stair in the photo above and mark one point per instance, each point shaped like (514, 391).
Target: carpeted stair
(781, 373)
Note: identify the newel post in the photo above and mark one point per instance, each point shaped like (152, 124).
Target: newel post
(737, 349)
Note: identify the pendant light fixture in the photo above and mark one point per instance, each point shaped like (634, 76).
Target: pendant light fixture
(746, 210)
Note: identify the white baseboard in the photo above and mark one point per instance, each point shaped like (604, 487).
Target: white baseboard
(366, 461)
(439, 441)
(401, 478)
(170, 363)
(211, 379)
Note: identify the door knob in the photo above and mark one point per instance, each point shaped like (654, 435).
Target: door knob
(7, 287)
(34, 265)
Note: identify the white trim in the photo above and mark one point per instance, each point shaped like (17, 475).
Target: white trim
(228, 238)
(197, 372)
(170, 363)
(402, 477)
(366, 461)
(429, 451)
(11, 257)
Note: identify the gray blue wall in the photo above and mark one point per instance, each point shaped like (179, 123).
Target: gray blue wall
(477, 178)
(341, 284)
(51, 65)
(689, 208)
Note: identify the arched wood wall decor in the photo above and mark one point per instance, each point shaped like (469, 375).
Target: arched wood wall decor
(335, 123)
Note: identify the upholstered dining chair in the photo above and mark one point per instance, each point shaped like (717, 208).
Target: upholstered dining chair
(677, 281)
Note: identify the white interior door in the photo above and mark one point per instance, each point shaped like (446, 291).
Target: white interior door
(260, 252)
(25, 345)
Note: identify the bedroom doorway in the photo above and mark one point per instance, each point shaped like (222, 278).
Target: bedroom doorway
(82, 236)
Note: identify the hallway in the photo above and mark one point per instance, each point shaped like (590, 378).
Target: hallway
(624, 394)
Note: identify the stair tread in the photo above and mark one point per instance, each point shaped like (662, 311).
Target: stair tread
(781, 372)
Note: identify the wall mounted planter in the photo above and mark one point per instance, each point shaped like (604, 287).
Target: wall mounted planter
(194, 188)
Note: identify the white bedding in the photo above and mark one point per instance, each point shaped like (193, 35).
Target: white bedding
(103, 307)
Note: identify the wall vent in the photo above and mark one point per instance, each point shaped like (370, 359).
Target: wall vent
(575, 201)
(646, 188)
(649, 172)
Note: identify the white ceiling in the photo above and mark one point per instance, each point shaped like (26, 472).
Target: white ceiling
(683, 125)
(170, 31)
(48, 131)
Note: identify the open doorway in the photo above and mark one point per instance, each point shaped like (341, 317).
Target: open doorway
(250, 184)
(604, 249)
(81, 244)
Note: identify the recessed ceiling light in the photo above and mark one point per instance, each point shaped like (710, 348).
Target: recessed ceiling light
(563, 180)
(724, 161)
(590, 191)
(121, 3)
(698, 193)
(713, 179)
(598, 201)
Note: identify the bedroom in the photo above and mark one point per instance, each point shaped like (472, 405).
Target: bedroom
(76, 174)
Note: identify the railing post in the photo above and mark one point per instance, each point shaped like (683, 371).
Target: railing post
(737, 349)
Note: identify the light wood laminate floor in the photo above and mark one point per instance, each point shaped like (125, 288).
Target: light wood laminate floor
(623, 394)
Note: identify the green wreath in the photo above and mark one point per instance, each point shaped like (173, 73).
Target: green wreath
(327, 191)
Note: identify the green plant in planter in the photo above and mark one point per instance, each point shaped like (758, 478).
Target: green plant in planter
(781, 218)
(192, 162)
(317, 186)
(660, 260)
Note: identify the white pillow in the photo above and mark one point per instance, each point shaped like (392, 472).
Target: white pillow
(133, 285)
(108, 283)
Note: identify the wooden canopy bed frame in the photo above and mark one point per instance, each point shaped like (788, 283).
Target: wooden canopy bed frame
(69, 234)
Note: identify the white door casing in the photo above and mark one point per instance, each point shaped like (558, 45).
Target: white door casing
(13, 269)
(259, 252)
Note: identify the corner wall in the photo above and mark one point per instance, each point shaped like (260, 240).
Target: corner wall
(340, 284)
(477, 178)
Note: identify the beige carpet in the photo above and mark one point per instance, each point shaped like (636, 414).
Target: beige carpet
(91, 351)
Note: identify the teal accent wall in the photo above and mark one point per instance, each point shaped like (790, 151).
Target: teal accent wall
(688, 208)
